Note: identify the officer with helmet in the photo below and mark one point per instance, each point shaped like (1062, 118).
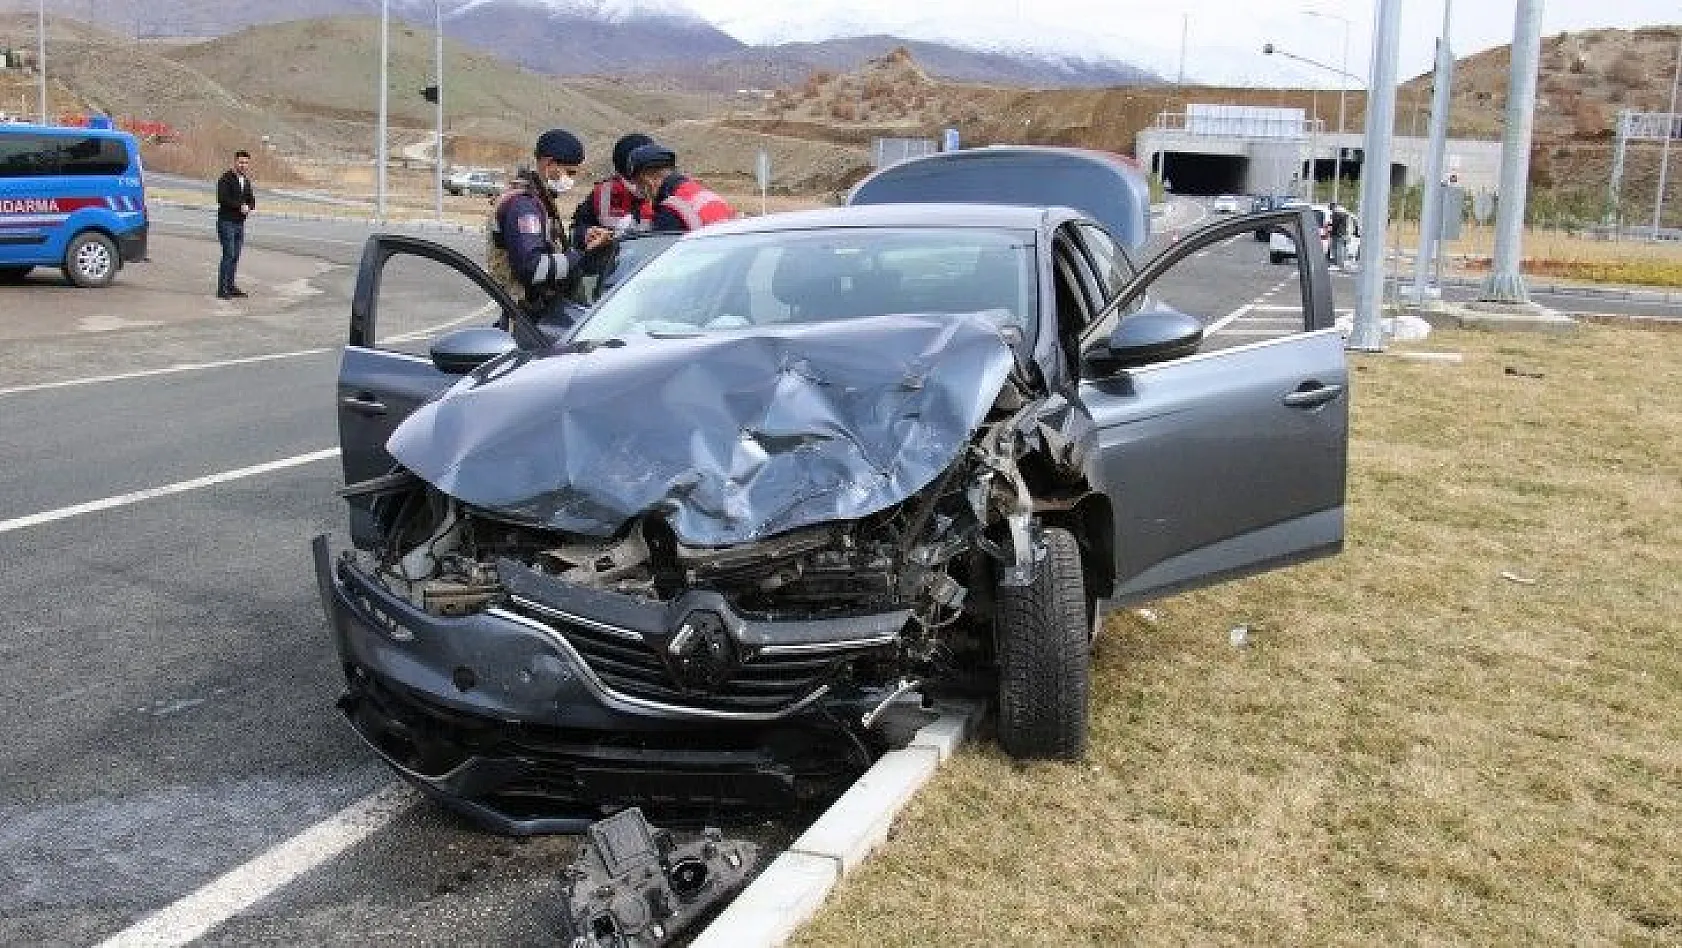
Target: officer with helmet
(613, 202)
(680, 202)
(523, 253)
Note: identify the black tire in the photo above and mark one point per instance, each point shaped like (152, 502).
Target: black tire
(14, 274)
(91, 260)
(1275, 258)
(1043, 637)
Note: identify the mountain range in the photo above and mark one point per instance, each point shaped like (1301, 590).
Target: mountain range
(657, 41)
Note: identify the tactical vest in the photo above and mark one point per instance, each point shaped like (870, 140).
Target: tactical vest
(496, 251)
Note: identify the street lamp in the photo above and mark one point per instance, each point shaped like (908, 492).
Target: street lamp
(41, 54)
(1337, 163)
(1273, 50)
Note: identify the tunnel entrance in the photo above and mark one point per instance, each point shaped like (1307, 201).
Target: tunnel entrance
(1190, 172)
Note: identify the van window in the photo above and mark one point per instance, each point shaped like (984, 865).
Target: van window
(92, 155)
(26, 156)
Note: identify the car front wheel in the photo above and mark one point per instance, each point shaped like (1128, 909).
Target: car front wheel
(1042, 633)
(91, 260)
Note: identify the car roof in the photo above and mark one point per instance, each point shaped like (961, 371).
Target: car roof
(1106, 187)
(895, 215)
(80, 131)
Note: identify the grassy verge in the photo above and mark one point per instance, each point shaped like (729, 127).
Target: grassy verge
(1413, 748)
(1567, 256)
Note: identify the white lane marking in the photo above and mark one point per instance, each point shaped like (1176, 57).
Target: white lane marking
(167, 370)
(482, 312)
(293, 235)
(151, 493)
(1227, 320)
(244, 886)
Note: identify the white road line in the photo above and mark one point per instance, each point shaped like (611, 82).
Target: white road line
(168, 370)
(261, 233)
(151, 493)
(244, 886)
(1224, 321)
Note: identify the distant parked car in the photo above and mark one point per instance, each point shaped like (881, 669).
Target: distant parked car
(1225, 204)
(483, 183)
(1272, 202)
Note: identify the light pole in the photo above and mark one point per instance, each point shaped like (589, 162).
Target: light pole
(1664, 159)
(1367, 333)
(1505, 284)
(1337, 160)
(1430, 210)
(1273, 50)
(438, 78)
(379, 147)
(41, 54)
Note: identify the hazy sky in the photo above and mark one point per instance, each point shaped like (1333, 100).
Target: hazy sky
(1151, 29)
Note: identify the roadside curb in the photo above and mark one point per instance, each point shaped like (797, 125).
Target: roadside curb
(1630, 294)
(448, 227)
(797, 883)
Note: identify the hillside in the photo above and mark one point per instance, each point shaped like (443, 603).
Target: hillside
(1585, 78)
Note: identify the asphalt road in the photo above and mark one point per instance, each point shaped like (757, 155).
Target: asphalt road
(169, 696)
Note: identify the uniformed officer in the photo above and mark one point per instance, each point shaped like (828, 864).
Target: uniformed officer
(613, 202)
(522, 251)
(680, 202)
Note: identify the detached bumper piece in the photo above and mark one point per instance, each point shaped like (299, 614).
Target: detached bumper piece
(542, 725)
(632, 887)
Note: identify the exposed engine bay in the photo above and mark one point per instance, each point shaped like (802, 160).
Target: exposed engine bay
(929, 561)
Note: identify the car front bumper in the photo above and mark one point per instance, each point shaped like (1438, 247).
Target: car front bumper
(500, 715)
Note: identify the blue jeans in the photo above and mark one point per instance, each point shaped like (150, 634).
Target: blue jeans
(232, 236)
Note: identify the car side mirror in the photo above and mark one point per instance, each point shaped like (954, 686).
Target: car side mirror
(462, 351)
(1143, 338)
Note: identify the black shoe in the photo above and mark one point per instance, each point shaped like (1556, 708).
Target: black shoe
(236, 291)
(221, 295)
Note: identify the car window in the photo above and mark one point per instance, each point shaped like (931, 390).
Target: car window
(732, 281)
(601, 271)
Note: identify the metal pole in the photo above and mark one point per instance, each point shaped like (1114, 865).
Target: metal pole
(1664, 153)
(1614, 208)
(1430, 211)
(379, 147)
(438, 77)
(1337, 164)
(41, 54)
(1185, 28)
(1505, 284)
(1367, 333)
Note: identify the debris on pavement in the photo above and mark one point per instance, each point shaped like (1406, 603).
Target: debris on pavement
(632, 886)
(1525, 373)
(1513, 577)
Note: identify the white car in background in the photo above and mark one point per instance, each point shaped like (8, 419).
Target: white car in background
(1226, 204)
(1280, 247)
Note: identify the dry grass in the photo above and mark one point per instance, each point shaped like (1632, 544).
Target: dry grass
(1413, 749)
(1568, 256)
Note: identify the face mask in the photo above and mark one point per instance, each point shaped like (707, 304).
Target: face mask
(560, 185)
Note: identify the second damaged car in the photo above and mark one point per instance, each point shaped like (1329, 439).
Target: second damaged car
(714, 548)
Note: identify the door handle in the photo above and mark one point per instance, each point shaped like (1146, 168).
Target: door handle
(363, 404)
(1312, 394)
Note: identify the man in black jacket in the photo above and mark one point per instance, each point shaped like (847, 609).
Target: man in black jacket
(234, 202)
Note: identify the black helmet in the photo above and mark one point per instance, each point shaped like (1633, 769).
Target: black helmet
(622, 151)
(561, 145)
(649, 156)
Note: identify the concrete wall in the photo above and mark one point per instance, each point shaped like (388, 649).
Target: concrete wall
(1272, 162)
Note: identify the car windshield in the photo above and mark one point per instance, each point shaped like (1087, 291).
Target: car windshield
(736, 281)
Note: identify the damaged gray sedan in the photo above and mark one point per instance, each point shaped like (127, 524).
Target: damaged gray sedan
(714, 548)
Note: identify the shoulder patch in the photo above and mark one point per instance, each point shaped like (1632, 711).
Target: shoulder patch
(530, 224)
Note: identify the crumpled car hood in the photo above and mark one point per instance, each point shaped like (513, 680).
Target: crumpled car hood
(731, 437)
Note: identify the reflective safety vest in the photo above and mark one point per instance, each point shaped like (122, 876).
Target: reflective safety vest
(696, 205)
(617, 206)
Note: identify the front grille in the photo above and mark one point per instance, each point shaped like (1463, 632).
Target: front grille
(762, 683)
